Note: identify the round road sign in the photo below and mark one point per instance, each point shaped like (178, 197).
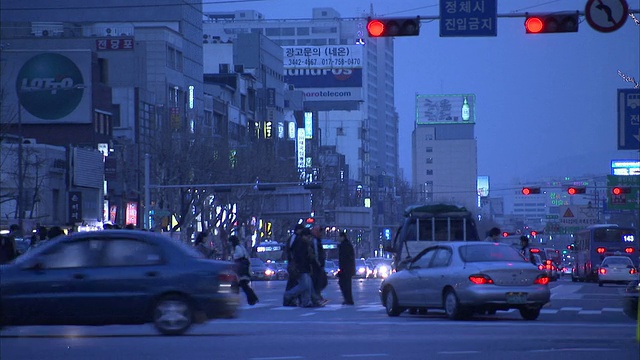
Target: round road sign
(606, 15)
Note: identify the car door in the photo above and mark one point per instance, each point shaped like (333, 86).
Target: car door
(49, 293)
(437, 276)
(130, 275)
(410, 286)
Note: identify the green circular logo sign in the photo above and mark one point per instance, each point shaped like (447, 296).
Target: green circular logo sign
(49, 86)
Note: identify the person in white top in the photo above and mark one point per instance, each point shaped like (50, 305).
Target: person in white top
(241, 258)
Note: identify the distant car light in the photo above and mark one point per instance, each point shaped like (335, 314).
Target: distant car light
(602, 271)
(542, 280)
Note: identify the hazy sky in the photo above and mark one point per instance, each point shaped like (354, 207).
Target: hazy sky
(546, 103)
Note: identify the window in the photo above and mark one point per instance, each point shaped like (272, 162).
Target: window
(288, 31)
(272, 31)
(429, 149)
(442, 258)
(429, 172)
(130, 252)
(424, 260)
(303, 30)
(429, 160)
(83, 253)
(171, 58)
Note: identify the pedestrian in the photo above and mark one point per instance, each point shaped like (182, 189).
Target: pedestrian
(318, 274)
(7, 248)
(241, 258)
(201, 244)
(38, 236)
(301, 255)
(291, 270)
(493, 235)
(524, 248)
(347, 266)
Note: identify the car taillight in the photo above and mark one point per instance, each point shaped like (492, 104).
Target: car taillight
(601, 250)
(633, 271)
(602, 271)
(542, 280)
(480, 279)
(628, 250)
(541, 267)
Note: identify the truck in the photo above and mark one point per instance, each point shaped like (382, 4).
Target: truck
(426, 225)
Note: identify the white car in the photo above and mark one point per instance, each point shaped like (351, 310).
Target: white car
(616, 269)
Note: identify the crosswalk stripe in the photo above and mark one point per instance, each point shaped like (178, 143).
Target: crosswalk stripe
(589, 312)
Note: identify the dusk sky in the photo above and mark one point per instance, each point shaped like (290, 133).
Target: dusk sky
(546, 103)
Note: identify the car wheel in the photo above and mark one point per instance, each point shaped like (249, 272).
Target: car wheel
(391, 303)
(452, 307)
(530, 313)
(172, 315)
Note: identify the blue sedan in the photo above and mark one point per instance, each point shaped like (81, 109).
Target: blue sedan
(117, 277)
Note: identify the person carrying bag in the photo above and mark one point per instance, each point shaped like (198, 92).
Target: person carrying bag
(241, 259)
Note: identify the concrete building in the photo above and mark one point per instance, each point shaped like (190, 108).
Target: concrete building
(444, 150)
(360, 122)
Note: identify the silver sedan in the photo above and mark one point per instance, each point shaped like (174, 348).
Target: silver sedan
(464, 278)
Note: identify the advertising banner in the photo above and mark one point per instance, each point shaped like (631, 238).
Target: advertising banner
(51, 87)
(323, 78)
(323, 57)
(446, 109)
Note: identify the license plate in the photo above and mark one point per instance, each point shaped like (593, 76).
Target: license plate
(516, 298)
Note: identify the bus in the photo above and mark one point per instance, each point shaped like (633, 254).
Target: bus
(594, 243)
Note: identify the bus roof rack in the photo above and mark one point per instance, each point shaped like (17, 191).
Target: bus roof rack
(435, 210)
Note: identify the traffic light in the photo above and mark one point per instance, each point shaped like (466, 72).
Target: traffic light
(530, 190)
(534, 233)
(394, 27)
(551, 23)
(620, 190)
(573, 190)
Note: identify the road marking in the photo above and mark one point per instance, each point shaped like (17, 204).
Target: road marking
(370, 308)
(459, 352)
(613, 309)
(278, 358)
(549, 311)
(363, 355)
(589, 312)
(570, 308)
(284, 308)
(308, 314)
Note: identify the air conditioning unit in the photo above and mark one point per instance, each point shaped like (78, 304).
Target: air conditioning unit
(29, 141)
(224, 68)
(291, 87)
(238, 69)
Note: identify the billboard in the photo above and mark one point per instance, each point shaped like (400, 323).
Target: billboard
(625, 167)
(446, 109)
(51, 87)
(323, 57)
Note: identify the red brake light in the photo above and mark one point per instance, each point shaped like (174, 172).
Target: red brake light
(628, 250)
(541, 267)
(480, 279)
(633, 271)
(602, 271)
(542, 280)
(600, 250)
(534, 250)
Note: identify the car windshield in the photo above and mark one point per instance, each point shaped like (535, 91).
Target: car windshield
(490, 252)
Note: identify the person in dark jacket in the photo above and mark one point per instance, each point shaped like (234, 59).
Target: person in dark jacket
(347, 265)
(302, 255)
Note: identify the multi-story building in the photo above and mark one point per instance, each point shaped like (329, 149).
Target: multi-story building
(142, 72)
(444, 150)
(352, 105)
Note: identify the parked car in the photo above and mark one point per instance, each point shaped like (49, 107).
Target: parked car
(616, 269)
(260, 271)
(116, 277)
(464, 278)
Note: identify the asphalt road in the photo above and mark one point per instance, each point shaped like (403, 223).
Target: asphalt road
(582, 321)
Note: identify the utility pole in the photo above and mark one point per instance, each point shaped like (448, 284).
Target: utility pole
(19, 202)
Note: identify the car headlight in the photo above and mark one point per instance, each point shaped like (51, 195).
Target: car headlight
(361, 270)
(269, 272)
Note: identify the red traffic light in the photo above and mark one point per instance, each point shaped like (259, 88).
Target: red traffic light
(552, 23)
(534, 233)
(530, 190)
(375, 28)
(573, 190)
(620, 190)
(393, 27)
(534, 25)
(505, 234)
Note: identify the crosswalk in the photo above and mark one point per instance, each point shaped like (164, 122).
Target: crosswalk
(377, 307)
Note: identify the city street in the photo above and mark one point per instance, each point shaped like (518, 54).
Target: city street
(582, 321)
